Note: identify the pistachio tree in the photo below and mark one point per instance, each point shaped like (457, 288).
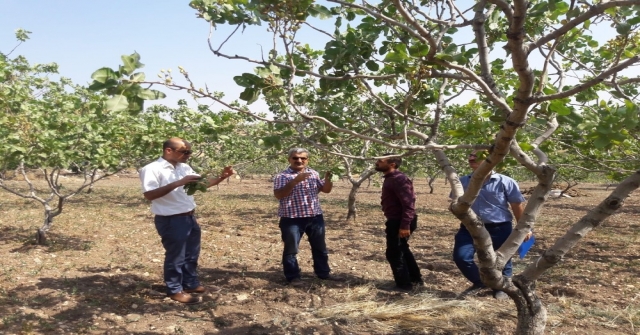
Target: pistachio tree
(510, 64)
(52, 126)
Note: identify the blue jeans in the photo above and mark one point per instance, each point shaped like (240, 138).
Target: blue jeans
(181, 241)
(463, 250)
(292, 230)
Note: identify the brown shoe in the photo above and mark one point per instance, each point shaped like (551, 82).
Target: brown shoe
(184, 298)
(202, 289)
(296, 282)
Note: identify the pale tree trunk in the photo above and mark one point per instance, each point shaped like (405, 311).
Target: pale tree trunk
(352, 212)
(41, 233)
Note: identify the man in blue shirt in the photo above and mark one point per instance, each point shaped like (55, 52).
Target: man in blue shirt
(497, 195)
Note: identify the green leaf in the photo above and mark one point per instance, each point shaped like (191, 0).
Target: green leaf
(263, 72)
(320, 12)
(444, 57)
(562, 7)
(138, 76)
(148, 94)
(97, 86)
(247, 80)
(250, 95)
(131, 63)
(372, 65)
(104, 74)
(634, 20)
(419, 50)
(623, 28)
(395, 57)
(456, 132)
(525, 146)
(118, 103)
(601, 142)
(451, 48)
(559, 107)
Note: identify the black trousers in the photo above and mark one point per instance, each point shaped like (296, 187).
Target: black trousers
(403, 264)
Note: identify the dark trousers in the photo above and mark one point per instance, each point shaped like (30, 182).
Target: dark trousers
(403, 264)
(181, 241)
(463, 250)
(292, 230)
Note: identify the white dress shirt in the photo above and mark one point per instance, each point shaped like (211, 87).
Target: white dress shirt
(161, 173)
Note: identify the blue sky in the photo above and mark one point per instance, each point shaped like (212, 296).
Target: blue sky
(85, 35)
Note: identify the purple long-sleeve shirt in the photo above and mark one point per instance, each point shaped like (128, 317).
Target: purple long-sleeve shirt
(398, 199)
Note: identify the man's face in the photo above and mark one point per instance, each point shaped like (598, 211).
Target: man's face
(474, 161)
(298, 161)
(180, 154)
(383, 165)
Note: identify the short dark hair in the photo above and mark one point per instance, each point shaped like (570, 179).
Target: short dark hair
(171, 143)
(167, 144)
(395, 160)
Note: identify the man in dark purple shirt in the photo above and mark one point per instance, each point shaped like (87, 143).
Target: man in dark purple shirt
(398, 204)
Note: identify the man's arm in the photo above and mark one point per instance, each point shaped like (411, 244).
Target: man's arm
(164, 190)
(405, 194)
(518, 209)
(286, 190)
(226, 173)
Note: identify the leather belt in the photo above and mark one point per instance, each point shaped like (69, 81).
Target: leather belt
(494, 224)
(189, 213)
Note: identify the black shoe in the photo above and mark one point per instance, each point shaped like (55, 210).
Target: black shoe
(417, 283)
(334, 278)
(473, 290)
(396, 288)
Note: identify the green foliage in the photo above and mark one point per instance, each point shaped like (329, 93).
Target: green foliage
(124, 86)
(200, 185)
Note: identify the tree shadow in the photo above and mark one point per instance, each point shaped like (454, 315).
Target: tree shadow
(100, 198)
(56, 241)
(110, 296)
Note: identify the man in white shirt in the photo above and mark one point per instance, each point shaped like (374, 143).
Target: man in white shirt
(162, 184)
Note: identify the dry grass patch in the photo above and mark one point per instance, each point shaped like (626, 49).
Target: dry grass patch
(419, 312)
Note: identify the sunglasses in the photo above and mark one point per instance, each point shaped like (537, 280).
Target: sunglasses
(299, 158)
(184, 152)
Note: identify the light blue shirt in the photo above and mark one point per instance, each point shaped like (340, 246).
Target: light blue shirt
(492, 204)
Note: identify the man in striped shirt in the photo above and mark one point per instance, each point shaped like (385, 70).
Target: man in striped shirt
(297, 188)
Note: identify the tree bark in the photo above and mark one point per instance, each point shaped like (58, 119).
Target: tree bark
(41, 233)
(352, 211)
(532, 314)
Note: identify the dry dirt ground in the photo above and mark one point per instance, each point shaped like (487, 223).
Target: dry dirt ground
(101, 274)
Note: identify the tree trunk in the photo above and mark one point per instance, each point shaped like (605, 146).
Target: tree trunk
(351, 204)
(41, 233)
(532, 315)
(430, 182)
